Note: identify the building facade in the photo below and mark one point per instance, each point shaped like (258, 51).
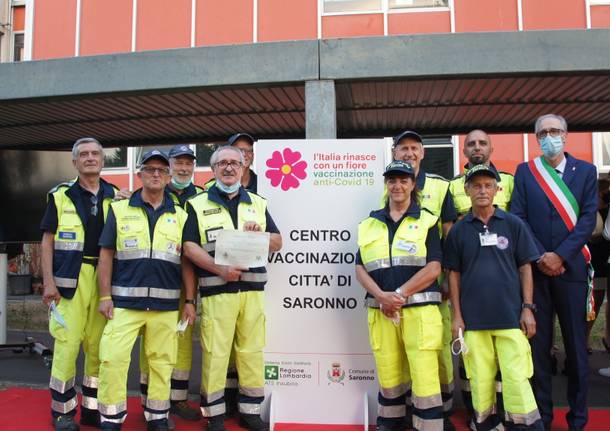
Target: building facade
(52, 29)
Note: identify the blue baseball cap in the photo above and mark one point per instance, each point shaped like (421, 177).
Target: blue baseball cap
(241, 135)
(154, 154)
(181, 150)
(399, 167)
(481, 170)
(407, 134)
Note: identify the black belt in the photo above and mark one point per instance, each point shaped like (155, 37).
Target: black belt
(91, 261)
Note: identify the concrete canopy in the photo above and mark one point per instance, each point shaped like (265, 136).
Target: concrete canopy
(445, 83)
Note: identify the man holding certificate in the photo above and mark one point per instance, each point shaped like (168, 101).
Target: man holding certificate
(228, 235)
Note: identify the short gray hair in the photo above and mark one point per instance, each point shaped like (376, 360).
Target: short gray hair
(81, 141)
(539, 120)
(214, 157)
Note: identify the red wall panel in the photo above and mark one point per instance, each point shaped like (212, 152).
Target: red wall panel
(419, 22)
(579, 145)
(202, 177)
(486, 15)
(19, 18)
(97, 17)
(287, 20)
(119, 180)
(54, 29)
(352, 25)
(507, 151)
(600, 16)
(162, 24)
(223, 22)
(556, 14)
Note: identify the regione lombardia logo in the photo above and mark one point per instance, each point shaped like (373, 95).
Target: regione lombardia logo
(286, 169)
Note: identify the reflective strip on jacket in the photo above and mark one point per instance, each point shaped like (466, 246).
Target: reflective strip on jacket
(69, 239)
(408, 249)
(211, 218)
(147, 274)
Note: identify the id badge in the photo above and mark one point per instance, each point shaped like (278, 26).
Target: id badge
(488, 239)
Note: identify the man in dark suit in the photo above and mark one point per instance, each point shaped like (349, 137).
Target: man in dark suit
(556, 195)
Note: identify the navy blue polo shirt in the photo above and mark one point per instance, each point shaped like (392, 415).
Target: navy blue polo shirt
(191, 228)
(388, 279)
(490, 287)
(108, 237)
(448, 212)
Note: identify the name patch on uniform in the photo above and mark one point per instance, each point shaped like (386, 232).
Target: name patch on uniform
(69, 211)
(409, 247)
(212, 234)
(130, 243)
(67, 235)
(212, 211)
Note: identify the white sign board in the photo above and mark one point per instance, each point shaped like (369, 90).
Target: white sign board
(318, 362)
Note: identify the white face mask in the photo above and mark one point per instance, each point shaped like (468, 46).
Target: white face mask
(461, 344)
(227, 189)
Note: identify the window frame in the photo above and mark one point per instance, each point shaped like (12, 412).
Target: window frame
(598, 156)
(385, 9)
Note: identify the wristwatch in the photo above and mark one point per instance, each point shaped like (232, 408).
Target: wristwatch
(190, 301)
(399, 291)
(529, 306)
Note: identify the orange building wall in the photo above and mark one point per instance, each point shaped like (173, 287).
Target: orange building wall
(486, 15)
(352, 25)
(507, 151)
(579, 145)
(119, 180)
(202, 177)
(419, 22)
(223, 23)
(287, 20)
(549, 15)
(163, 24)
(19, 18)
(105, 26)
(600, 16)
(54, 29)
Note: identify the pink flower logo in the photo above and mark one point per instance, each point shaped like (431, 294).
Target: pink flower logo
(285, 168)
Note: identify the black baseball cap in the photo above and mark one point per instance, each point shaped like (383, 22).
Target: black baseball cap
(181, 150)
(407, 134)
(154, 154)
(482, 170)
(241, 135)
(399, 167)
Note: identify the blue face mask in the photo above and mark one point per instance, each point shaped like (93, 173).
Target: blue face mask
(228, 189)
(180, 186)
(551, 146)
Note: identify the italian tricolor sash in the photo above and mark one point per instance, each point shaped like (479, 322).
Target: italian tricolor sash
(567, 207)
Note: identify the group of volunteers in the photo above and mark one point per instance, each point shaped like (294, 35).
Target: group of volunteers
(477, 267)
(118, 264)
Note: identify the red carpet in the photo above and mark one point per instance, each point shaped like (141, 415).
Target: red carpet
(29, 409)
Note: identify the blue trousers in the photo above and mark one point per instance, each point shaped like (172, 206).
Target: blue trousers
(568, 300)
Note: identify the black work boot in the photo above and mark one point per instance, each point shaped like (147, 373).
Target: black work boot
(157, 425)
(65, 423)
(89, 417)
(216, 423)
(253, 422)
(185, 411)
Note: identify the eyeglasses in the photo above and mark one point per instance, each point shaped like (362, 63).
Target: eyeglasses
(553, 132)
(223, 164)
(244, 151)
(151, 171)
(93, 205)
